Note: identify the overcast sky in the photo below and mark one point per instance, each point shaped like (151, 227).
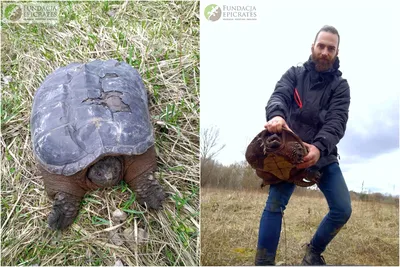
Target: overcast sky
(241, 61)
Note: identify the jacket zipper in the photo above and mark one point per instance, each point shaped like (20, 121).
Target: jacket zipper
(297, 98)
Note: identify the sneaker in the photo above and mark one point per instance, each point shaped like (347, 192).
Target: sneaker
(312, 258)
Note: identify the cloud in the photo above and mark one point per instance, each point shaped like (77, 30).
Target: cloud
(378, 174)
(375, 133)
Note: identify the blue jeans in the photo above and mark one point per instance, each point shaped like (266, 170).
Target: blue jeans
(335, 190)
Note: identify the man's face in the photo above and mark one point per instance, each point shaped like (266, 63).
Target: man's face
(324, 51)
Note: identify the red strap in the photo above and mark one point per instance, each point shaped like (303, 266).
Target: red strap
(297, 98)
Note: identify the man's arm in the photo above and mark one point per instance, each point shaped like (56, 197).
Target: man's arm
(335, 120)
(280, 100)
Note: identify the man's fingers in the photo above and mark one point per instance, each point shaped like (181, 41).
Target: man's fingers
(274, 126)
(270, 127)
(305, 164)
(302, 165)
(307, 145)
(309, 161)
(307, 157)
(278, 127)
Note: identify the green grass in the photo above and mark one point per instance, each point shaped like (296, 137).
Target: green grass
(161, 40)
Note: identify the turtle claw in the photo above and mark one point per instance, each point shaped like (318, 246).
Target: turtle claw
(297, 154)
(313, 174)
(65, 209)
(149, 192)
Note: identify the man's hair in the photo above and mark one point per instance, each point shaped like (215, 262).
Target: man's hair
(328, 28)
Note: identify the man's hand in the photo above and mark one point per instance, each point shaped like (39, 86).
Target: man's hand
(311, 158)
(275, 124)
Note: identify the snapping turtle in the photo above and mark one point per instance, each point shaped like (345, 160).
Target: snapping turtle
(274, 156)
(90, 128)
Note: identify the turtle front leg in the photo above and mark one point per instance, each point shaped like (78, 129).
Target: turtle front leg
(139, 175)
(148, 191)
(65, 209)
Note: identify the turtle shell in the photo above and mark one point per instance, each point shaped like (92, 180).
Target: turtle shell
(274, 156)
(82, 112)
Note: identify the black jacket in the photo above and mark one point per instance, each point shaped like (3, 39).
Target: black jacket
(324, 98)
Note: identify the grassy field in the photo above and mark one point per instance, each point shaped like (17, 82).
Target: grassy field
(161, 40)
(230, 221)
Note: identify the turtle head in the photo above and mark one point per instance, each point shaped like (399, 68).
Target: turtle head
(106, 172)
(272, 143)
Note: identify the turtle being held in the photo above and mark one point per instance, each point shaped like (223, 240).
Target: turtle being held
(274, 156)
(90, 128)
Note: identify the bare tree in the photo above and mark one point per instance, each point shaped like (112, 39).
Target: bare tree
(209, 148)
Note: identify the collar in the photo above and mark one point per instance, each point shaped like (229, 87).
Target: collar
(328, 74)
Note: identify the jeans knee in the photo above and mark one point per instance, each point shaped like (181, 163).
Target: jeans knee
(347, 213)
(275, 206)
(342, 215)
(278, 197)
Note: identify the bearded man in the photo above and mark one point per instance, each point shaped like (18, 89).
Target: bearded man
(313, 101)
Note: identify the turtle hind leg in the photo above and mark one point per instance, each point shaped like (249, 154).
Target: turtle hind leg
(313, 174)
(305, 177)
(148, 191)
(65, 209)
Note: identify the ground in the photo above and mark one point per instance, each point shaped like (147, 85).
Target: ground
(159, 39)
(230, 221)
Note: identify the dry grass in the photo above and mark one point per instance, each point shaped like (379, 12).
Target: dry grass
(230, 221)
(160, 39)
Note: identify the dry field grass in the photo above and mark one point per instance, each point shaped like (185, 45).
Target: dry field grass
(230, 221)
(161, 40)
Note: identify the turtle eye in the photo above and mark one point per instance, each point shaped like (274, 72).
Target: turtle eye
(98, 173)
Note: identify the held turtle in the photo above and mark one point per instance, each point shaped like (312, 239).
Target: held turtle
(274, 156)
(90, 128)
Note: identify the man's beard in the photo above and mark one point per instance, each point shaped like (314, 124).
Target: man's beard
(322, 63)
